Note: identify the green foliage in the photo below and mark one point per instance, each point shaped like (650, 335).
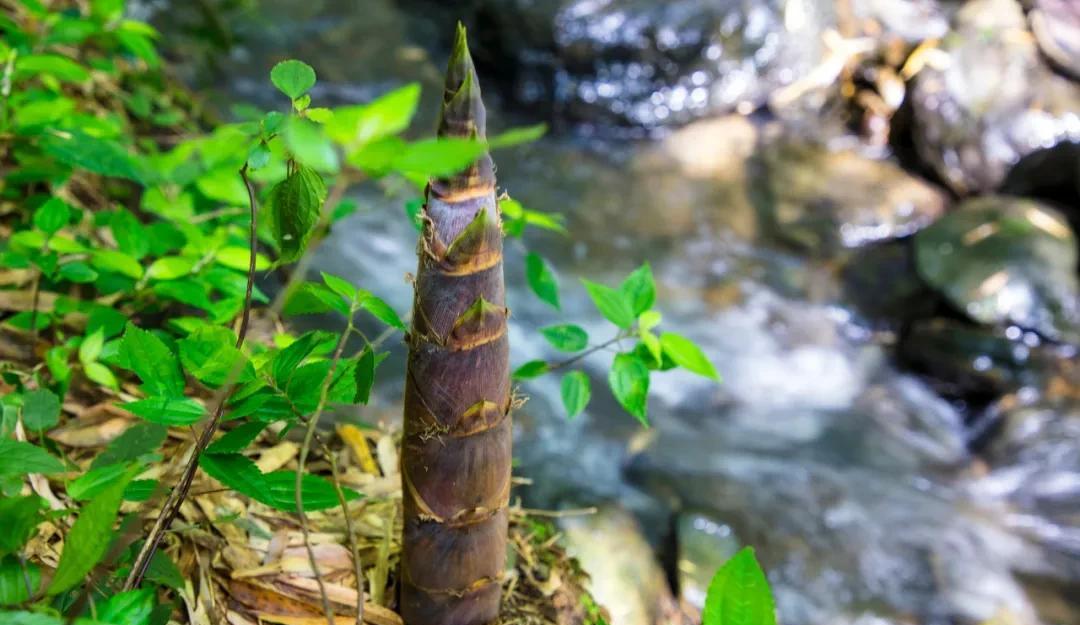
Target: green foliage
(276, 489)
(542, 280)
(21, 458)
(18, 516)
(89, 538)
(566, 337)
(575, 391)
(40, 410)
(293, 78)
(739, 594)
(295, 205)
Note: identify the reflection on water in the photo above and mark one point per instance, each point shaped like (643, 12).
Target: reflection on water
(854, 479)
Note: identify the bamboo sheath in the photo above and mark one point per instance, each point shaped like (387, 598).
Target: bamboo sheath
(457, 447)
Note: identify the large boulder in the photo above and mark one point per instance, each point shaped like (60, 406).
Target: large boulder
(1006, 260)
(987, 99)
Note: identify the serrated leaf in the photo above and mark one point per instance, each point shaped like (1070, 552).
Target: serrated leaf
(133, 607)
(365, 375)
(380, 309)
(629, 382)
(340, 286)
(566, 337)
(19, 515)
(137, 440)
(293, 78)
(100, 156)
(687, 355)
(78, 272)
(612, 304)
(288, 360)
(517, 136)
(387, 115)
(576, 392)
(17, 583)
(739, 594)
(237, 439)
(167, 410)
(163, 571)
(40, 410)
(52, 215)
(639, 289)
(90, 536)
(171, 267)
(21, 458)
(238, 473)
(211, 356)
(308, 298)
(296, 204)
(317, 493)
(91, 483)
(542, 280)
(530, 370)
(151, 360)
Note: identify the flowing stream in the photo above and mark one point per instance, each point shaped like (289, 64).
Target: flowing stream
(853, 476)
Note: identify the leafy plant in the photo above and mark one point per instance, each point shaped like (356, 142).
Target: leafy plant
(739, 594)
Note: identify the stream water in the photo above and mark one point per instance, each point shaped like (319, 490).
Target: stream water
(853, 476)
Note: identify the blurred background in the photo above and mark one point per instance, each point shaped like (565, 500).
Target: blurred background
(865, 212)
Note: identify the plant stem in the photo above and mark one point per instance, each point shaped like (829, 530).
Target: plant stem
(179, 494)
(592, 350)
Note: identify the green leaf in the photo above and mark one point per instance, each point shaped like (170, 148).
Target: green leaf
(566, 337)
(97, 372)
(90, 536)
(293, 78)
(117, 262)
(223, 184)
(542, 280)
(20, 458)
(90, 348)
(380, 309)
(687, 355)
(170, 267)
(285, 363)
(739, 594)
(258, 157)
(629, 382)
(307, 143)
(517, 136)
(19, 516)
(133, 607)
(387, 115)
(163, 571)
(364, 373)
(52, 215)
(438, 157)
(317, 493)
(91, 483)
(340, 286)
(129, 233)
(137, 440)
(152, 361)
(60, 67)
(576, 392)
(239, 258)
(238, 473)
(100, 156)
(611, 303)
(308, 298)
(78, 272)
(639, 289)
(296, 204)
(167, 410)
(211, 356)
(237, 439)
(40, 410)
(17, 584)
(530, 370)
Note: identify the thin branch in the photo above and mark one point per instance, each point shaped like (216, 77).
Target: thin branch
(176, 498)
(554, 366)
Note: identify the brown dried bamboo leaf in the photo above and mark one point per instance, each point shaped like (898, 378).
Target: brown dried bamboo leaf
(267, 600)
(357, 443)
(78, 434)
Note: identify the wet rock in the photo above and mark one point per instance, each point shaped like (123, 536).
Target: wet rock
(987, 99)
(841, 543)
(1035, 468)
(911, 20)
(824, 201)
(1056, 24)
(971, 362)
(705, 544)
(1001, 259)
(881, 281)
(625, 576)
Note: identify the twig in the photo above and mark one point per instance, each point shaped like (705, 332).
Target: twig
(592, 350)
(305, 448)
(358, 568)
(179, 494)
